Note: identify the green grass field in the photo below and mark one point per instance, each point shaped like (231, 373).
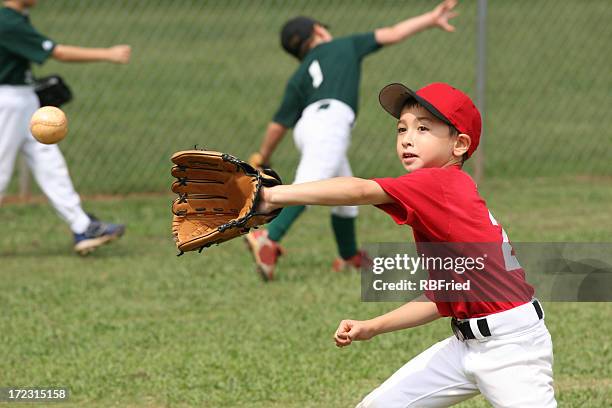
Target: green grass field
(134, 326)
(212, 73)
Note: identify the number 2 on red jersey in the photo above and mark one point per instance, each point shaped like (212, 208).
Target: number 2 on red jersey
(510, 260)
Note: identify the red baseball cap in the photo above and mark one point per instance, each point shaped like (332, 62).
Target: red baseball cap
(445, 102)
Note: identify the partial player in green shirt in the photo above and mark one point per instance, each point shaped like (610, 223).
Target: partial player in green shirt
(20, 43)
(320, 103)
(20, 46)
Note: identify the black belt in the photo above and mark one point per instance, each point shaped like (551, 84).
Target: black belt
(463, 331)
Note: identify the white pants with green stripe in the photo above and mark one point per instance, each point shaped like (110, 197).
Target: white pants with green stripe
(46, 162)
(323, 135)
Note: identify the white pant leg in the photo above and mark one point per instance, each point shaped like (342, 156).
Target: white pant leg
(434, 378)
(50, 171)
(13, 113)
(515, 370)
(45, 161)
(323, 137)
(321, 153)
(346, 211)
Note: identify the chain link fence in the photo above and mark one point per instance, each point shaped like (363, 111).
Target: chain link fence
(212, 73)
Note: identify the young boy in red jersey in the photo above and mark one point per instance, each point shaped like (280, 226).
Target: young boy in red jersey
(501, 347)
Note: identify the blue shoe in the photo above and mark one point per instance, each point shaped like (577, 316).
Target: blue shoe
(98, 233)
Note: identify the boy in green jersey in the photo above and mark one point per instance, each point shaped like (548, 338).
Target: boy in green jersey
(320, 104)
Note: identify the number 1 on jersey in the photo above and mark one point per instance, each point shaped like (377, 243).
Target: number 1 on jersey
(315, 73)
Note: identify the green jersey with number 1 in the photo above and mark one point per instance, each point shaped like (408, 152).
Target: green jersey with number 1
(331, 70)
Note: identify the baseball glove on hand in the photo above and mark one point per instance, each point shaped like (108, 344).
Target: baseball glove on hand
(52, 91)
(218, 198)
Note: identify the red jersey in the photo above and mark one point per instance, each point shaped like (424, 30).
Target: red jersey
(443, 205)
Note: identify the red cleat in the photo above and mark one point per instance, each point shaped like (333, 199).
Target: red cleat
(361, 258)
(265, 253)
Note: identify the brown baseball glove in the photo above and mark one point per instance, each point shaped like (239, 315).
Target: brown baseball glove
(218, 197)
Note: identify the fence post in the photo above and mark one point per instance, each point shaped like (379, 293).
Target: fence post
(481, 67)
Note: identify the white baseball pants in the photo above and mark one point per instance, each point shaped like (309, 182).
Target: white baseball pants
(323, 135)
(513, 369)
(46, 162)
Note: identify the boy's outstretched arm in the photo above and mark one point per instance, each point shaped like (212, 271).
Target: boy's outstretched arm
(438, 17)
(414, 313)
(336, 191)
(118, 54)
